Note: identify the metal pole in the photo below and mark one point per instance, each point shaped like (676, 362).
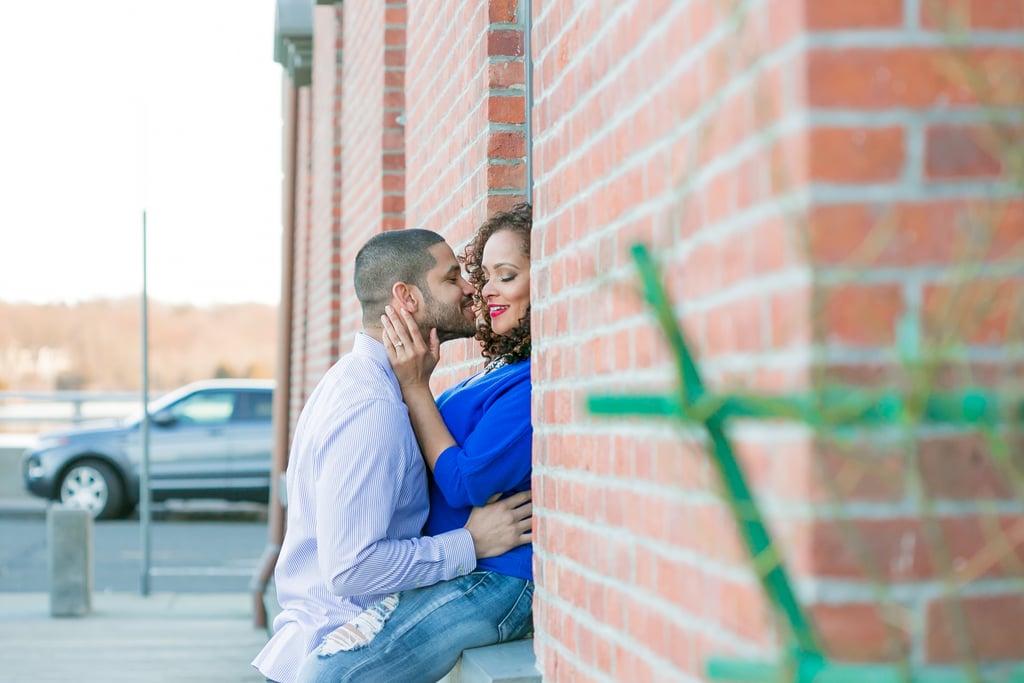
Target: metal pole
(144, 511)
(282, 391)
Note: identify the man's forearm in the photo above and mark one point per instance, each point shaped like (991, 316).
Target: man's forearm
(402, 564)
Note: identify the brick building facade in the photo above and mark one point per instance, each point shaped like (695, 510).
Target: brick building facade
(821, 182)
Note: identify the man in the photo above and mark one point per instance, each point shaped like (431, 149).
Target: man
(356, 482)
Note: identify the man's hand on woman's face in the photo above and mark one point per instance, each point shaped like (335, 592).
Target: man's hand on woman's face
(411, 358)
(502, 525)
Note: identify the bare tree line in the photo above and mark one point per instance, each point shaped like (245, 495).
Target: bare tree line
(96, 345)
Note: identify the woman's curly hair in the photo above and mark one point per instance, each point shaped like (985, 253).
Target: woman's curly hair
(516, 344)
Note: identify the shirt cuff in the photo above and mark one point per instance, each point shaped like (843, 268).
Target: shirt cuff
(458, 552)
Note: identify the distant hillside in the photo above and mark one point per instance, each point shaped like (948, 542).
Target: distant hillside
(96, 345)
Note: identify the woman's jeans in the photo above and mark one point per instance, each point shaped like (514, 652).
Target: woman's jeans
(428, 630)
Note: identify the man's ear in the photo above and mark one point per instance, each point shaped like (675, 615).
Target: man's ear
(407, 296)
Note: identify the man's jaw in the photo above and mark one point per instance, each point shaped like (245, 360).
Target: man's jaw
(449, 335)
(463, 333)
(469, 310)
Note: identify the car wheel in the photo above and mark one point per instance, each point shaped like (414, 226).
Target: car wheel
(94, 486)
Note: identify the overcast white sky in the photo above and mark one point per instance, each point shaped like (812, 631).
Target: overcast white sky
(113, 105)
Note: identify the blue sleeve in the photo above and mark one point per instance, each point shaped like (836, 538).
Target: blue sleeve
(495, 457)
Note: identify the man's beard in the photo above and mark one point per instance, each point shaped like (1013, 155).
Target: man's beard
(450, 321)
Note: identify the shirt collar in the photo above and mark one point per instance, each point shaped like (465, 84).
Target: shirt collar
(366, 345)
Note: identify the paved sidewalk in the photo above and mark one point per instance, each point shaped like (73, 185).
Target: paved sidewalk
(128, 638)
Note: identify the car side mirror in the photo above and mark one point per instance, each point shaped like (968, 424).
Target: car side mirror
(163, 418)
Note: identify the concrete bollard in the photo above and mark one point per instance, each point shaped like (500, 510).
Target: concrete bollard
(69, 535)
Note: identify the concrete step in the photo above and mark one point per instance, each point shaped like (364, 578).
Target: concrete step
(512, 662)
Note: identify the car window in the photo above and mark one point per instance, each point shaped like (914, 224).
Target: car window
(205, 407)
(263, 406)
(254, 405)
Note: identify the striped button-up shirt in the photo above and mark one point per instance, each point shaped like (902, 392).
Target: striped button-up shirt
(357, 502)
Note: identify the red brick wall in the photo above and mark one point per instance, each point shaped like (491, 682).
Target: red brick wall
(464, 126)
(464, 150)
(908, 241)
(393, 142)
(770, 153)
(363, 143)
(323, 313)
(372, 158)
(812, 177)
(676, 125)
(316, 297)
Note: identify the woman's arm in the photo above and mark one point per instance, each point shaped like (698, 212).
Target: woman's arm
(413, 362)
(431, 431)
(496, 454)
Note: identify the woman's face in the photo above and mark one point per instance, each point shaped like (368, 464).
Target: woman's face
(506, 287)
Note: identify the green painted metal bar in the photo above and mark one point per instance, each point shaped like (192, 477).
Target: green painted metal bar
(667, 406)
(689, 386)
(845, 406)
(832, 408)
(769, 565)
(744, 671)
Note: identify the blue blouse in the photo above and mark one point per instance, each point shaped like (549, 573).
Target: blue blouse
(489, 418)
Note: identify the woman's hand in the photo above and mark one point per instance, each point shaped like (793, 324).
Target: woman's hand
(412, 359)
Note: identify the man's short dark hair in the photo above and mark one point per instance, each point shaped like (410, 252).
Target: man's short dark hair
(390, 257)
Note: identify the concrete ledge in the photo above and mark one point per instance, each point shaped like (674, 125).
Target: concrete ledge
(22, 508)
(512, 662)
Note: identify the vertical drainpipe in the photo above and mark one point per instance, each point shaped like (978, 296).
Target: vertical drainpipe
(282, 391)
(528, 84)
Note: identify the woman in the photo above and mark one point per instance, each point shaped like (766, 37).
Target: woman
(476, 440)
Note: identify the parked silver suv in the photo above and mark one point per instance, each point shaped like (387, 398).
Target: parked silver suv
(210, 439)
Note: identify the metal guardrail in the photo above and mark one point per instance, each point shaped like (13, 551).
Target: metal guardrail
(37, 408)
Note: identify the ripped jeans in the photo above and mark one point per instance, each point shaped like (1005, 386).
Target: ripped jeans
(421, 639)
